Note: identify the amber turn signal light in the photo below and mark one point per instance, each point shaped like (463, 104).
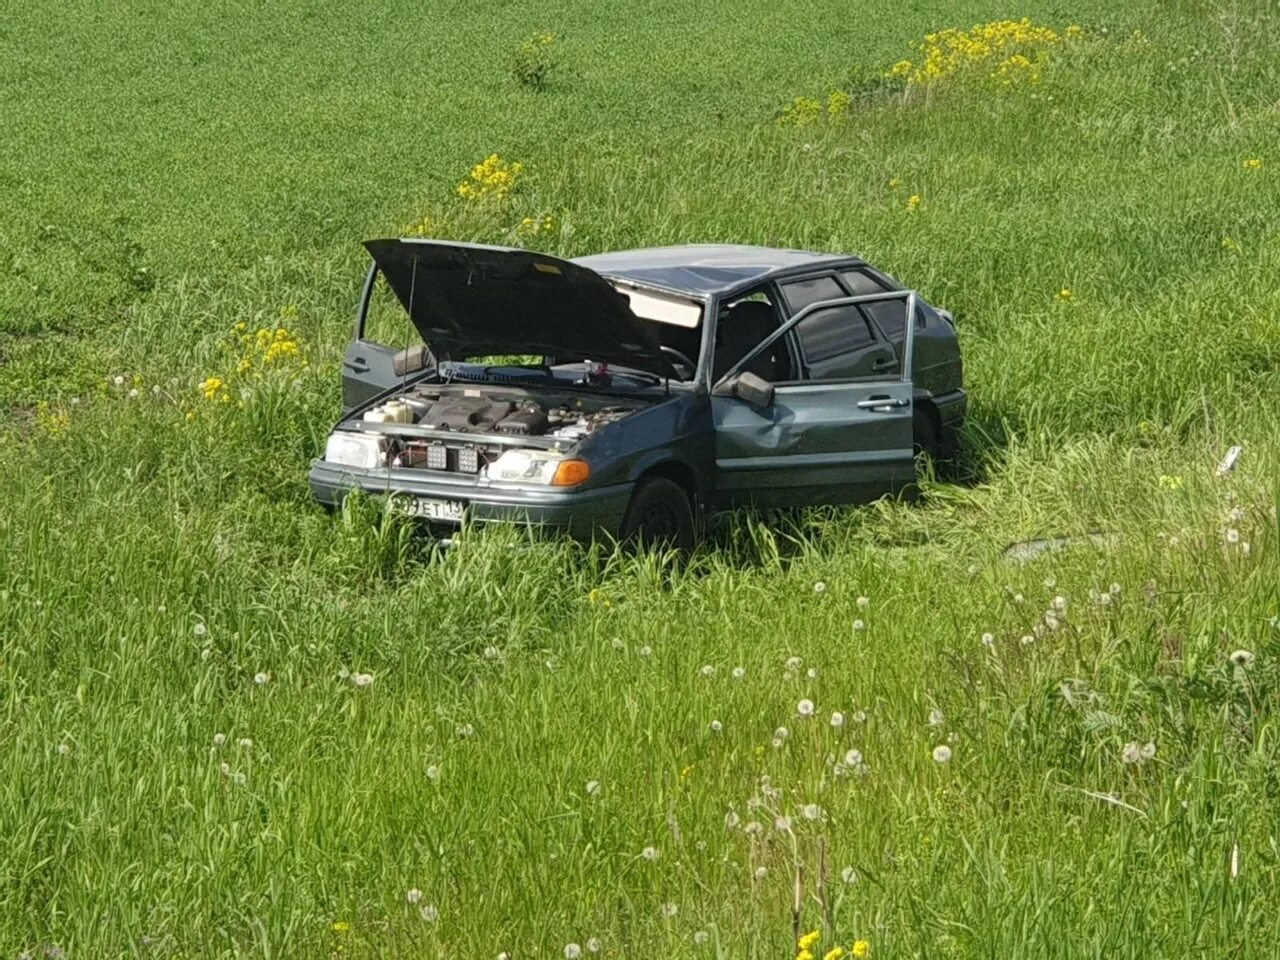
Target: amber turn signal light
(570, 473)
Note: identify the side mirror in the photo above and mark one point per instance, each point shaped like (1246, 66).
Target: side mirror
(747, 387)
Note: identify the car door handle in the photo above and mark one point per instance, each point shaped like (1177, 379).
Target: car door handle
(357, 365)
(882, 403)
(884, 363)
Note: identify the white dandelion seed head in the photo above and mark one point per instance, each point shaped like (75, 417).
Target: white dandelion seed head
(859, 625)
(1245, 548)
(716, 726)
(739, 673)
(1019, 598)
(794, 664)
(708, 670)
(433, 772)
(837, 719)
(593, 787)
(782, 823)
(244, 743)
(936, 718)
(649, 853)
(617, 643)
(572, 951)
(1027, 639)
(974, 570)
(849, 875)
(701, 937)
(646, 650)
(362, 679)
(1232, 535)
(669, 909)
(988, 640)
(199, 629)
(343, 673)
(781, 733)
(731, 820)
(1147, 750)
(860, 716)
(1051, 622)
(812, 673)
(761, 873)
(118, 380)
(1059, 603)
(941, 753)
(812, 811)
(219, 739)
(133, 393)
(753, 827)
(1104, 599)
(225, 768)
(1131, 752)
(464, 730)
(819, 587)
(1242, 658)
(239, 777)
(863, 602)
(64, 749)
(805, 707)
(1050, 583)
(261, 677)
(1235, 514)
(492, 653)
(852, 758)
(594, 945)
(777, 743)
(1115, 589)
(413, 895)
(429, 913)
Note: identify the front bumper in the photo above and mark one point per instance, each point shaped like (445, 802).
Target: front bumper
(580, 513)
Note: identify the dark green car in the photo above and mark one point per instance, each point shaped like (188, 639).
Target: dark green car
(634, 393)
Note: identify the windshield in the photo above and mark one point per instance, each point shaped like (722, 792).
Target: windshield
(675, 322)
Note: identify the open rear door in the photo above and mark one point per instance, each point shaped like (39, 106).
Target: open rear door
(371, 366)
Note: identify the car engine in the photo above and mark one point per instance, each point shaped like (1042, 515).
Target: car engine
(472, 414)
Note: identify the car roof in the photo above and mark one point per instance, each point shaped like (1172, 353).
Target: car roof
(705, 268)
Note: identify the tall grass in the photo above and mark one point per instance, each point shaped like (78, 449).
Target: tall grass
(551, 744)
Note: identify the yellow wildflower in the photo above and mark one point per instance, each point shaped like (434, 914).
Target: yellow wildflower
(1168, 482)
(804, 955)
(491, 178)
(809, 940)
(211, 387)
(860, 948)
(895, 183)
(1073, 32)
(800, 112)
(686, 773)
(913, 202)
(1229, 244)
(838, 104)
(1064, 295)
(835, 953)
(948, 52)
(1253, 163)
(341, 926)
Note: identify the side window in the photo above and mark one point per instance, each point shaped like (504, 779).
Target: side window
(801, 293)
(740, 326)
(888, 316)
(832, 331)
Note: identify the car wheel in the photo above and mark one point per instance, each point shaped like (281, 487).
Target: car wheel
(659, 514)
(924, 435)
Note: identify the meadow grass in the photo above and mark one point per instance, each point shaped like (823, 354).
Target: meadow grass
(234, 725)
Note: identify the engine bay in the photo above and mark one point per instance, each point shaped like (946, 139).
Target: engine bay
(474, 413)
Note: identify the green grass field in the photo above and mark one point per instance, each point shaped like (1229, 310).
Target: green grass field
(554, 750)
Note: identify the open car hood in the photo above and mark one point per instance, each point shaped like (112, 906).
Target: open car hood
(469, 300)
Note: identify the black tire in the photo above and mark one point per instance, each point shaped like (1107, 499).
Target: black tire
(659, 514)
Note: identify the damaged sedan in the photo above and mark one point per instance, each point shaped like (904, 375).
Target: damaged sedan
(633, 394)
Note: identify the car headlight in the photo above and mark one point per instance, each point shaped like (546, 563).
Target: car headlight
(356, 450)
(539, 466)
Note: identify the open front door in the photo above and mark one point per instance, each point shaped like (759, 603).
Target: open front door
(839, 438)
(385, 348)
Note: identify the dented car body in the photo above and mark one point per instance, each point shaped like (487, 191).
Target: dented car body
(649, 388)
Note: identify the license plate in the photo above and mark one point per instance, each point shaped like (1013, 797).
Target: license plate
(426, 509)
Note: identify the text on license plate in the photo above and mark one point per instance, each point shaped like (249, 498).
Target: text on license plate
(429, 509)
